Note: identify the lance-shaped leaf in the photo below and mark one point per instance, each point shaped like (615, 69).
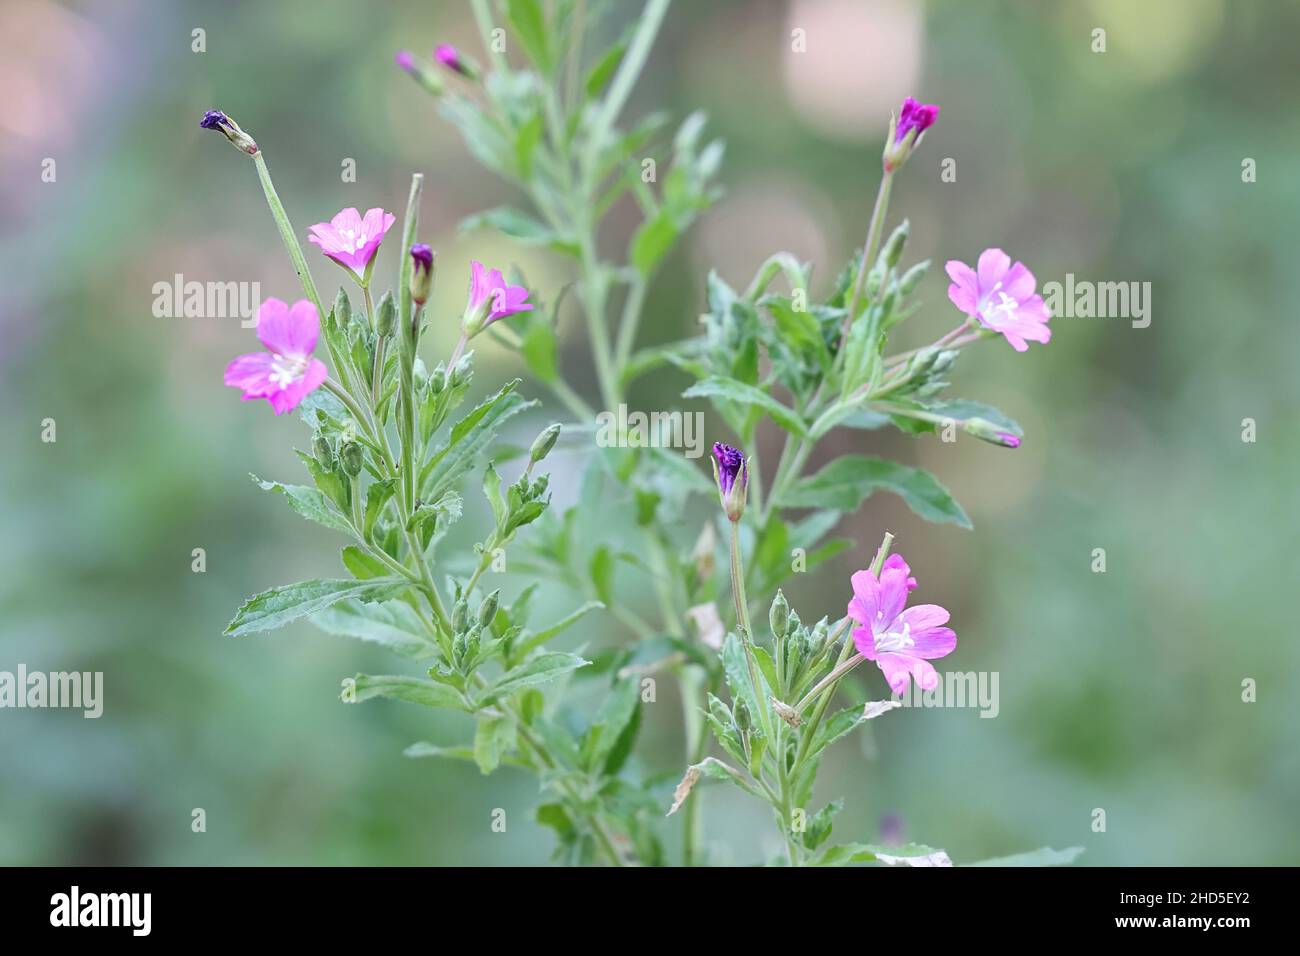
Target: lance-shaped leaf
(911, 854)
(393, 624)
(531, 640)
(309, 503)
(536, 670)
(731, 390)
(279, 606)
(469, 438)
(846, 482)
(414, 690)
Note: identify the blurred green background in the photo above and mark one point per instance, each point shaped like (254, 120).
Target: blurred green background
(1120, 691)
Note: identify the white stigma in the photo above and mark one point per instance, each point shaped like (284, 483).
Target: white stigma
(894, 640)
(1005, 306)
(287, 369)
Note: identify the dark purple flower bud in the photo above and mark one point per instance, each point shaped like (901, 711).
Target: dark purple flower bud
(215, 119)
(732, 474)
(915, 116)
(421, 272)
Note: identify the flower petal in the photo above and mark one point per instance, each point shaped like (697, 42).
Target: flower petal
(993, 266)
(251, 372)
(287, 331)
(1019, 282)
(287, 399)
(897, 670)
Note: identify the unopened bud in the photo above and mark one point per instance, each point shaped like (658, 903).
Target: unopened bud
(740, 715)
(320, 448)
(342, 309)
(459, 616)
(463, 371)
(437, 380)
(912, 278)
(351, 458)
(543, 443)
(778, 616)
(419, 72)
(386, 315)
(989, 432)
(893, 250)
(215, 119)
(487, 611)
(454, 60)
(421, 273)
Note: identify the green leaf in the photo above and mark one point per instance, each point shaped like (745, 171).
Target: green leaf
(602, 574)
(279, 606)
(609, 739)
(393, 624)
(538, 349)
(526, 140)
(528, 23)
(377, 496)
(422, 748)
(492, 739)
(734, 391)
(521, 227)
(846, 482)
(536, 670)
(362, 565)
(541, 637)
(960, 410)
(1043, 856)
(470, 437)
(414, 690)
(603, 71)
(652, 241)
(309, 503)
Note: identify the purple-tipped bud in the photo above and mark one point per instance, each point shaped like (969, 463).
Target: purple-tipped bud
(987, 431)
(732, 474)
(905, 131)
(454, 60)
(418, 71)
(421, 272)
(215, 119)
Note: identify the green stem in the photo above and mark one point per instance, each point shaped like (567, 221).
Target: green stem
(746, 628)
(287, 235)
(628, 72)
(874, 230)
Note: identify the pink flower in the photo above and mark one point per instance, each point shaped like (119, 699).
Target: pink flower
(491, 298)
(1001, 296)
(901, 641)
(285, 373)
(352, 241)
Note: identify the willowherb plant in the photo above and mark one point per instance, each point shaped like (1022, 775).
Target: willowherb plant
(387, 461)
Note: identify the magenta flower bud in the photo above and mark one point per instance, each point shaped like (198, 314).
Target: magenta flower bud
(418, 71)
(215, 119)
(906, 130)
(1008, 440)
(915, 116)
(731, 472)
(421, 272)
(452, 59)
